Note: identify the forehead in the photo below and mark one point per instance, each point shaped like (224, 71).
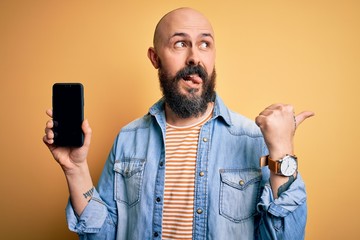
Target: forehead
(186, 21)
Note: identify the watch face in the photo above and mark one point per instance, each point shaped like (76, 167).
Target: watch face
(288, 166)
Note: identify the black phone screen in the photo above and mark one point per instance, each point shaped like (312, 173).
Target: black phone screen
(68, 114)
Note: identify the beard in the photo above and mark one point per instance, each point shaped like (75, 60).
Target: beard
(191, 104)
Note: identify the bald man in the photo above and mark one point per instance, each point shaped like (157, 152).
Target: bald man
(190, 168)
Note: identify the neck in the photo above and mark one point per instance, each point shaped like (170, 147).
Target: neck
(175, 120)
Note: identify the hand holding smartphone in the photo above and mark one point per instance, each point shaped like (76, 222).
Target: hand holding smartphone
(68, 114)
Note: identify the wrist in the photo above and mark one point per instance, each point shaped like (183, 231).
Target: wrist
(278, 153)
(79, 177)
(77, 169)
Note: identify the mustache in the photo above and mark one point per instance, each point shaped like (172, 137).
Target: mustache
(190, 70)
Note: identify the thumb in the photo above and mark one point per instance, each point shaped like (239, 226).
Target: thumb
(302, 116)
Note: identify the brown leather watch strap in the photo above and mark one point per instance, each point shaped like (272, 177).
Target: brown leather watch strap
(263, 161)
(273, 165)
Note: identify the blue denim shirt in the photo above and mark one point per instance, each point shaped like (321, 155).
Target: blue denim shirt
(233, 198)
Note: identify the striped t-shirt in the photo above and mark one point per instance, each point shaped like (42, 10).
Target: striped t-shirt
(181, 149)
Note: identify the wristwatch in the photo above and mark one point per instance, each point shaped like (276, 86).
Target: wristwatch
(285, 166)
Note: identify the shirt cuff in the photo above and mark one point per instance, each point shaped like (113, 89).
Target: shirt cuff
(287, 202)
(91, 219)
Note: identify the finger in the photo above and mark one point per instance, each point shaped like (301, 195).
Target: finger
(266, 112)
(259, 120)
(302, 116)
(49, 112)
(50, 124)
(282, 108)
(87, 132)
(48, 141)
(49, 133)
(276, 106)
(49, 144)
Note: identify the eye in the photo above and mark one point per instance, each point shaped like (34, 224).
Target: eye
(204, 45)
(180, 44)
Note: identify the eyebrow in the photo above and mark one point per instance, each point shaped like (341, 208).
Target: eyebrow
(182, 34)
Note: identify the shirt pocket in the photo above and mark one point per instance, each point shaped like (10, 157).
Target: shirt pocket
(239, 193)
(128, 180)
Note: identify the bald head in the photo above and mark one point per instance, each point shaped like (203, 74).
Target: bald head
(178, 20)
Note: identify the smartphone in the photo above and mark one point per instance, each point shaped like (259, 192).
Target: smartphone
(68, 114)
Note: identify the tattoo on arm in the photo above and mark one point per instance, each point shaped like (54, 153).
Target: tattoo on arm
(286, 185)
(89, 194)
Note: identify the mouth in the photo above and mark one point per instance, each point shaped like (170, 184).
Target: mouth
(193, 78)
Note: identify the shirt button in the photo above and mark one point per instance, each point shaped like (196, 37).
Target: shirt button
(161, 163)
(158, 199)
(201, 174)
(205, 139)
(156, 234)
(241, 182)
(199, 211)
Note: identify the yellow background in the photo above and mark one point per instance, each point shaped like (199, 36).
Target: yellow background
(306, 53)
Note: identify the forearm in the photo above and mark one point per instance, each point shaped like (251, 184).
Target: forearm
(80, 187)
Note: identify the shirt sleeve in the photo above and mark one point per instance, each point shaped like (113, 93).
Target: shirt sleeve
(284, 217)
(95, 222)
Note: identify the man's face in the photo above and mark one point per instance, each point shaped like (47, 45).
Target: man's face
(185, 49)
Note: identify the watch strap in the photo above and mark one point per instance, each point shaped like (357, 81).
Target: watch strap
(264, 161)
(274, 165)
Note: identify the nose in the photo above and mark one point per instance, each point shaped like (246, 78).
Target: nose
(193, 57)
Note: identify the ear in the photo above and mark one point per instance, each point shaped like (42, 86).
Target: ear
(152, 55)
